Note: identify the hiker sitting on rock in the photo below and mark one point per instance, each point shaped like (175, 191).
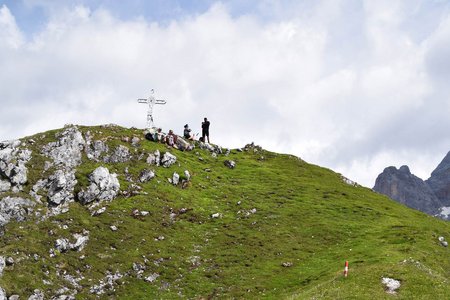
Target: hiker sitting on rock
(159, 136)
(171, 139)
(187, 133)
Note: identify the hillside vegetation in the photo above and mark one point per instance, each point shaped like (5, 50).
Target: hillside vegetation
(273, 227)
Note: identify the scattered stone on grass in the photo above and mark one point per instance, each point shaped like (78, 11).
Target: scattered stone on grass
(391, 285)
(443, 241)
(168, 159)
(230, 164)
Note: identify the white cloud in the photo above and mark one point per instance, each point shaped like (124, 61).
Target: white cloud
(10, 35)
(353, 94)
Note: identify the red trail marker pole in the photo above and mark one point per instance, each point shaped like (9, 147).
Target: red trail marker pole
(346, 268)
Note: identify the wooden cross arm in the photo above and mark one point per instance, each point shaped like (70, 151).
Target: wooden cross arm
(160, 101)
(142, 100)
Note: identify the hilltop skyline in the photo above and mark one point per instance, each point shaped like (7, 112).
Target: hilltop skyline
(354, 86)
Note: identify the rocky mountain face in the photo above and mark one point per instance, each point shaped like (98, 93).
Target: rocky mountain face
(431, 196)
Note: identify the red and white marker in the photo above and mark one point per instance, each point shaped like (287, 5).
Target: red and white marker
(346, 269)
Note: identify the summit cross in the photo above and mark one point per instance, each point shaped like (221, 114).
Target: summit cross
(151, 101)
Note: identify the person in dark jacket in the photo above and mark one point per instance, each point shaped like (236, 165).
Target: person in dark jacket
(187, 133)
(205, 129)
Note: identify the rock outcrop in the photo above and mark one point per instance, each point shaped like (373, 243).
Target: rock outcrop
(67, 150)
(431, 196)
(61, 187)
(103, 187)
(439, 181)
(14, 208)
(407, 188)
(13, 172)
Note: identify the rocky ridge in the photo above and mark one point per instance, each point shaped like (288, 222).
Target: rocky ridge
(431, 196)
(57, 185)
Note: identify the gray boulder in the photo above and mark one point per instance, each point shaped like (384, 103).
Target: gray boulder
(61, 187)
(5, 186)
(14, 208)
(66, 151)
(168, 159)
(175, 178)
(13, 172)
(121, 154)
(230, 164)
(62, 245)
(2, 265)
(154, 158)
(408, 189)
(146, 175)
(95, 149)
(2, 294)
(103, 187)
(80, 243)
(37, 295)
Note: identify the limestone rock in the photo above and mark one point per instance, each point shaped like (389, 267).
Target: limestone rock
(439, 181)
(4, 186)
(14, 208)
(9, 261)
(66, 151)
(154, 159)
(391, 285)
(146, 175)
(103, 187)
(13, 172)
(175, 178)
(230, 164)
(61, 187)
(80, 243)
(183, 145)
(135, 141)
(121, 154)
(95, 149)
(2, 294)
(187, 175)
(2, 265)
(408, 189)
(37, 295)
(168, 159)
(62, 245)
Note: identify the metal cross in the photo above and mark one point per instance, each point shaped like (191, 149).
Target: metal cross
(151, 101)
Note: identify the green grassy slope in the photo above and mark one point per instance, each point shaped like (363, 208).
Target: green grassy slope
(274, 209)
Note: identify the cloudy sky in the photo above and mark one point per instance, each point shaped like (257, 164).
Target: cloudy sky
(351, 85)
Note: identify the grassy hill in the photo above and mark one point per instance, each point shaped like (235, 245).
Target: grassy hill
(284, 229)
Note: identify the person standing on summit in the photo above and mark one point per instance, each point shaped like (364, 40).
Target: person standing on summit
(205, 129)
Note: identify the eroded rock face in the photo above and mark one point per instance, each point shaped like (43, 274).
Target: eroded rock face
(408, 189)
(103, 187)
(146, 175)
(168, 159)
(67, 150)
(121, 154)
(95, 149)
(154, 158)
(61, 187)
(5, 186)
(439, 181)
(2, 265)
(14, 208)
(13, 172)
